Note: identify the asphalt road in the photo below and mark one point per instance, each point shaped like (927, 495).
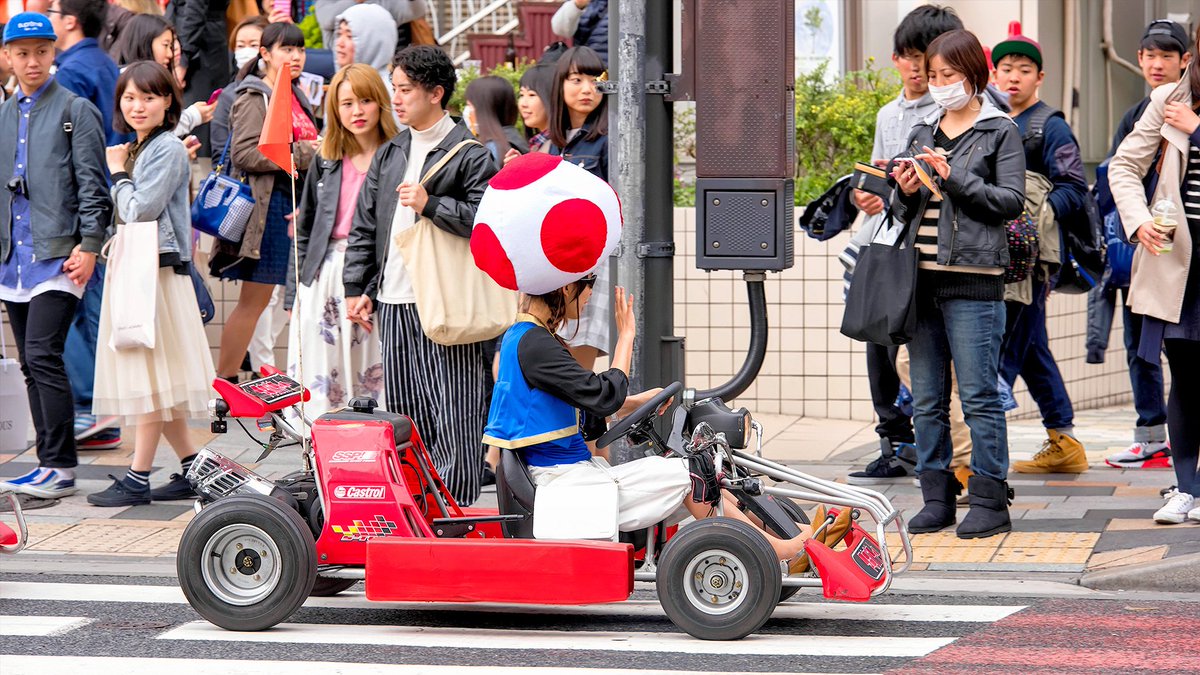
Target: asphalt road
(122, 625)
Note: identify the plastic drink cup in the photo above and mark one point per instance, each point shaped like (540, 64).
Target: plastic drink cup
(1166, 225)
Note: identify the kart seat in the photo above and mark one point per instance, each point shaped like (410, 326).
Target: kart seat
(364, 409)
(514, 492)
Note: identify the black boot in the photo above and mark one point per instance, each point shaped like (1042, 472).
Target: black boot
(939, 489)
(989, 500)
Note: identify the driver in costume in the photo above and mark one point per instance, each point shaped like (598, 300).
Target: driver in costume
(544, 403)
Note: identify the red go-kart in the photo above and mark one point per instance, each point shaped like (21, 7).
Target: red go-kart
(368, 505)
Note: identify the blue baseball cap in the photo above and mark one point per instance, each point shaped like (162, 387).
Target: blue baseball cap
(29, 26)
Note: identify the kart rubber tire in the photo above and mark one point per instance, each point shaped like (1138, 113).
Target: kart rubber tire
(798, 515)
(220, 528)
(724, 552)
(327, 586)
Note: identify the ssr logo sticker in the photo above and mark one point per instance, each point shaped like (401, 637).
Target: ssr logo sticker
(360, 492)
(353, 456)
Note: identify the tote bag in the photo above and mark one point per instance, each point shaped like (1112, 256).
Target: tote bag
(457, 302)
(881, 301)
(132, 285)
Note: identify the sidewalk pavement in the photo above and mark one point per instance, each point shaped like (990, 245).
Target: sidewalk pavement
(1064, 525)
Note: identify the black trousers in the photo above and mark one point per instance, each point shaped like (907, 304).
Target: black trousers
(893, 425)
(1183, 403)
(441, 389)
(40, 328)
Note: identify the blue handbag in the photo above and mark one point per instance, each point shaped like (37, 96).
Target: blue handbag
(223, 204)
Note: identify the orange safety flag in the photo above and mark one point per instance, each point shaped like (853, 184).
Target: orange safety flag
(275, 143)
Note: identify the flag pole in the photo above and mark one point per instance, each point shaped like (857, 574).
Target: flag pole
(305, 439)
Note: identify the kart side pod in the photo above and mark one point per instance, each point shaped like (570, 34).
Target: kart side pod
(849, 574)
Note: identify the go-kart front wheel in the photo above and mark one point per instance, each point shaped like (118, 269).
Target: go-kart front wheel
(246, 563)
(719, 579)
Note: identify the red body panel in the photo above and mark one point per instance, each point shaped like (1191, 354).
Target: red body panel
(258, 397)
(364, 495)
(852, 573)
(513, 571)
(8, 536)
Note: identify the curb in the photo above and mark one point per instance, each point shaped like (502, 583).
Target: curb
(1179, 574)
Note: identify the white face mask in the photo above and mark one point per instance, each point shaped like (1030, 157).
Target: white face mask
(243, 55)
(951, 96)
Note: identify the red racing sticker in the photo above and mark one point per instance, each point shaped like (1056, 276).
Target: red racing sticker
(869, 558)
(353, 456)
(361, 492)
(272, 389)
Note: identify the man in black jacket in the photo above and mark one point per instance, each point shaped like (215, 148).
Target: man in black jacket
(204, 39)
(441, 388)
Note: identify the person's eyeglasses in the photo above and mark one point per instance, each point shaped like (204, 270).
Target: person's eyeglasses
(588, 281)
(54, 11)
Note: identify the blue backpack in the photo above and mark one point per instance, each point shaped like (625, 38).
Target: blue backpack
(1118, 260)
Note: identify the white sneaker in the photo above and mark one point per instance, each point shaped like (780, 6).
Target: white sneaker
(1176, 509)
(1194, 514)
(1142, 456)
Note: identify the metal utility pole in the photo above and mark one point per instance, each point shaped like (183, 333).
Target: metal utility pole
(641, 168)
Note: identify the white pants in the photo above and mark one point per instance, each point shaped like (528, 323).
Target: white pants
(649, 490)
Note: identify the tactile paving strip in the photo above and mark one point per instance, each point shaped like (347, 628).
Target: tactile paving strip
(94, 538)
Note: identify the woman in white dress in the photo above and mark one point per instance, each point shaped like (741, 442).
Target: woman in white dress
(157, 389)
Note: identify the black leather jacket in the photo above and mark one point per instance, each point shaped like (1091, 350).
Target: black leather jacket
(986, 187)
(454, 194)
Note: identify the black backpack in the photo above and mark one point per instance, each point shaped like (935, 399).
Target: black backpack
(1081, 232)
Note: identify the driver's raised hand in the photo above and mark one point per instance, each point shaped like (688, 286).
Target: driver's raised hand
(626, 324)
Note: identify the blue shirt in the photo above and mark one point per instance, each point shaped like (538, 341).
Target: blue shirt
(88, 72)
(23, 269)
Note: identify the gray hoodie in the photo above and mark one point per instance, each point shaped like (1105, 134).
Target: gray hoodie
(327, 11)
(374, 33)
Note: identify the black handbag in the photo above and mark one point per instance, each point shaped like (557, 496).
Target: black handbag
(881, 305)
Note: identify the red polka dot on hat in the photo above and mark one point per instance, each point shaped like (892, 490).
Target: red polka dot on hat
(544, 223)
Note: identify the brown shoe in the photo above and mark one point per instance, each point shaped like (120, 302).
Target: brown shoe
(1059, 454)
(830, 536)
(800, 564)
(963, 474)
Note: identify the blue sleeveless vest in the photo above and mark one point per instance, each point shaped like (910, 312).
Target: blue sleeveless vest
(521, 416)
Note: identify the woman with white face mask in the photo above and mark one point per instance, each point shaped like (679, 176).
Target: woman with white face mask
(961, 177)
(244, 45)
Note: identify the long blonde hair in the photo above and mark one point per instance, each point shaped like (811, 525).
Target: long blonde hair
(365, 82)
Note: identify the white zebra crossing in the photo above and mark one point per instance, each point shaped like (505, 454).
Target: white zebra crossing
(634, 608)
(40, 626)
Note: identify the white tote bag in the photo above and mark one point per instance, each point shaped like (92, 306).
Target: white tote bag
(132, 285)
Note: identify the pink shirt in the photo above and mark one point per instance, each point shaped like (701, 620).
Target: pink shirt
(302, 127)
(352, 180)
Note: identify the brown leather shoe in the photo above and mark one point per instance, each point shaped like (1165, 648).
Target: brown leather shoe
(834, 533)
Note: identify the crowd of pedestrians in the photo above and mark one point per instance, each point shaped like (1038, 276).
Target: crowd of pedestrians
(100, 142)
(109, 108)
(971, 149)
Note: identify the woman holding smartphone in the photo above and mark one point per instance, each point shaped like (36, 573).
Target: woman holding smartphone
(971, 156)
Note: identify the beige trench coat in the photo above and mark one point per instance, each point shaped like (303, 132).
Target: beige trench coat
(1158, 282)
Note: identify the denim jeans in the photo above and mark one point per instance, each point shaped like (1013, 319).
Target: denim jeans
(80, 353)
(967, 332)
(1025, 351)
(1147, 381)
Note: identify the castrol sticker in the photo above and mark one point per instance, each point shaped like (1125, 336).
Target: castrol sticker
(360, 492)
(353, 456)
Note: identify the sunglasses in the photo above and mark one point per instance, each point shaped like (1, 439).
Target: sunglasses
(588, 281)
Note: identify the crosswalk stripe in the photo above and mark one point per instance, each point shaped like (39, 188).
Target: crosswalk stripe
(480, 638)
(106, 665)
(40, 626)
(351, 600)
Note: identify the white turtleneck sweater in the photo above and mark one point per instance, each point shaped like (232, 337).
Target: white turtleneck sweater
(396, 288)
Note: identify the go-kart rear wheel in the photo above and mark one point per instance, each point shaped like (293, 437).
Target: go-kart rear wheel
(327, 586)
(246, 563)
(718, 579)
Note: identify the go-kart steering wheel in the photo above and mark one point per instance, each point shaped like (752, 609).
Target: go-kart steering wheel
(638, 417)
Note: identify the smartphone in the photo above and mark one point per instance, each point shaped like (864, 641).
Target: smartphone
(212, 98)
(283, 6)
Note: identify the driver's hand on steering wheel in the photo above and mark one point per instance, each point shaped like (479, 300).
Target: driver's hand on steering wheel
(635, 401)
